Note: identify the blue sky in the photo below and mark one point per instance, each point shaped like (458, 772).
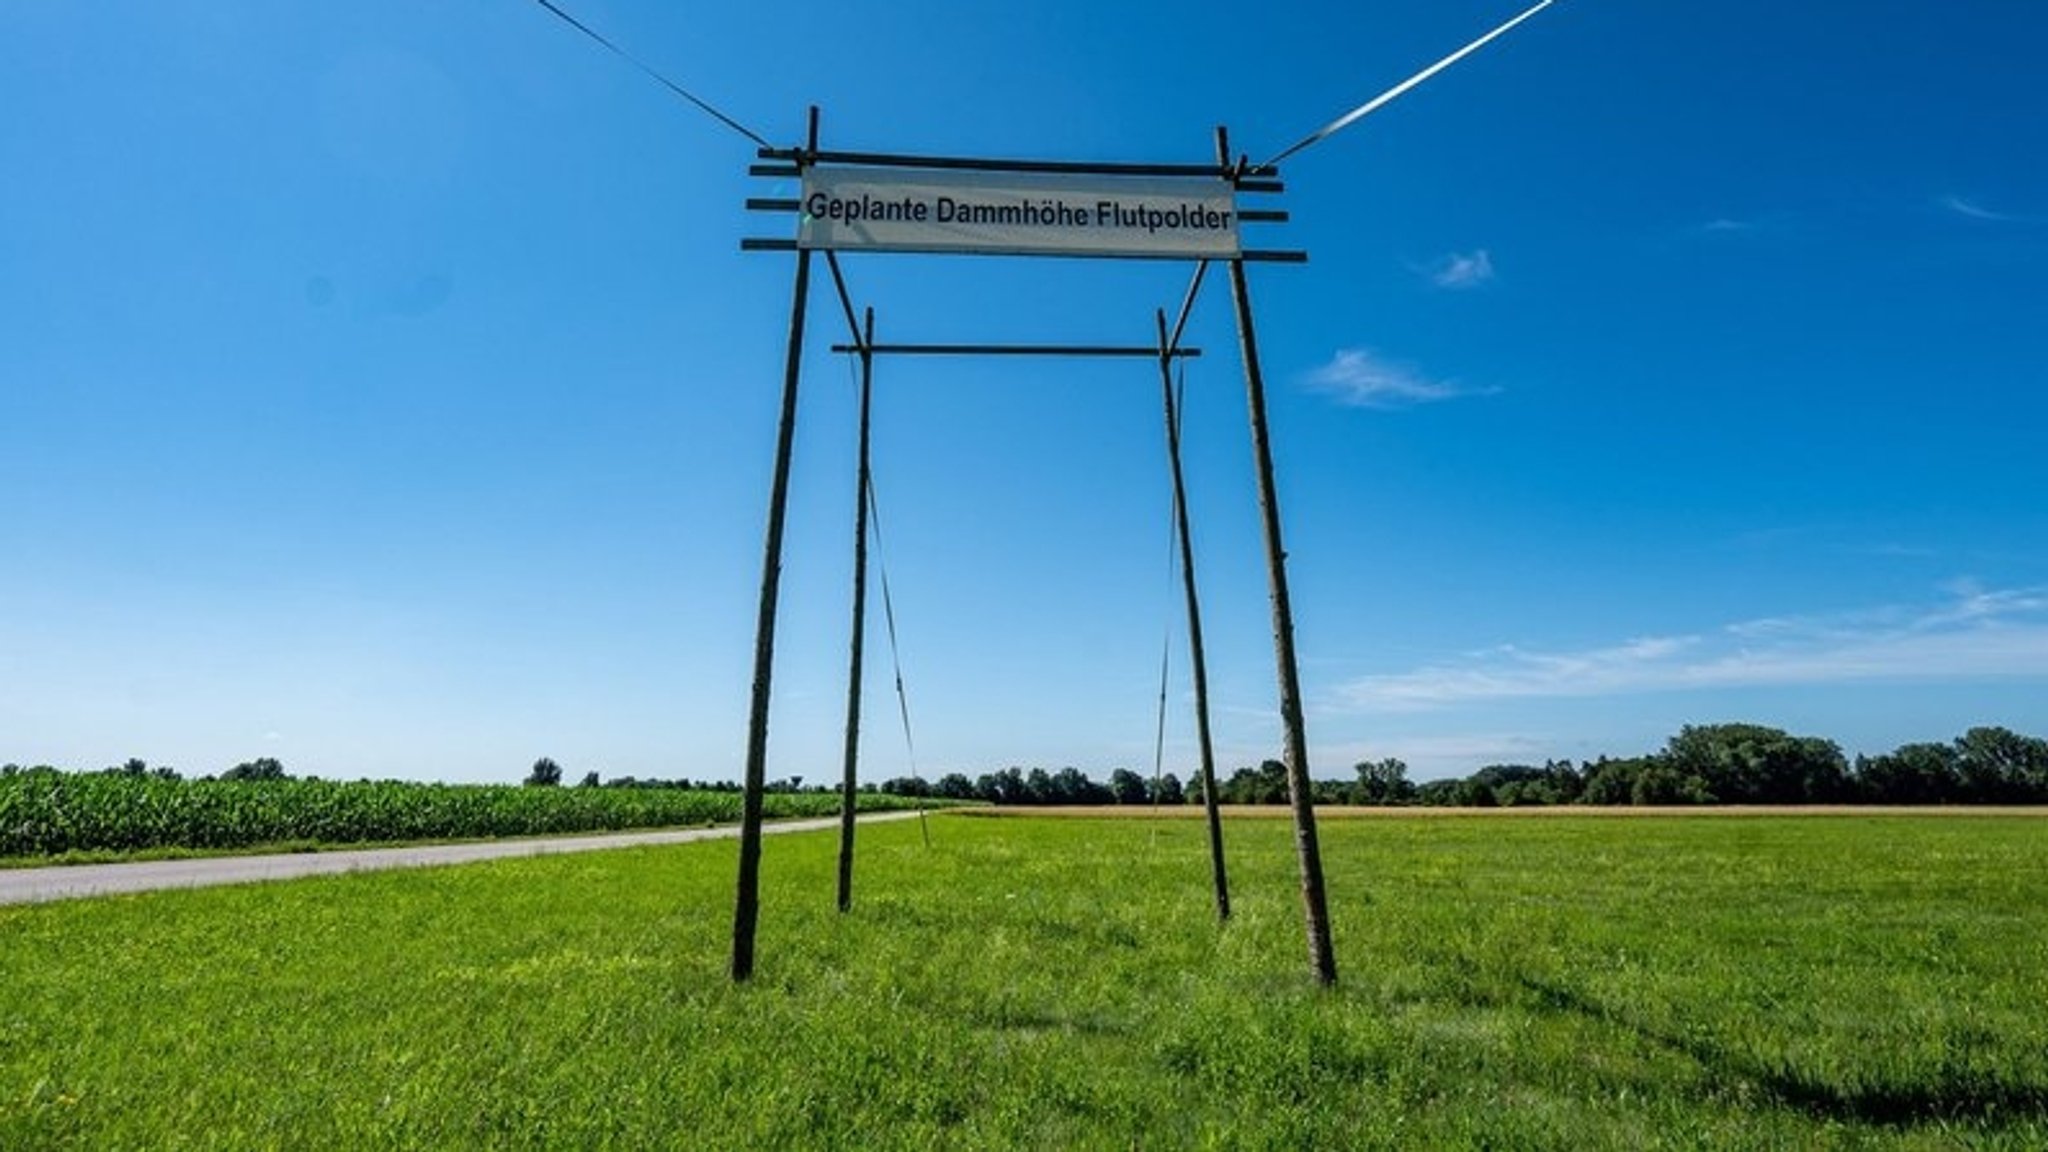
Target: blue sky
(384, 390)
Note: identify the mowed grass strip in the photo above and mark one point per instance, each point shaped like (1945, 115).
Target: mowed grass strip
(1736, 982)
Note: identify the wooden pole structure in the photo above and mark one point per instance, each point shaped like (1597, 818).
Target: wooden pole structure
(747, 902)
(1198, 660)
(1315, 904)
(849, 793)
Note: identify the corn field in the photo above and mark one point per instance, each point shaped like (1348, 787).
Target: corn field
(48, 813)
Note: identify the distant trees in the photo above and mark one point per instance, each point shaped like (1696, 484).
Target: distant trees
(1747, 764)
(1072, 786)
(1265, 784)
(262, 768)
(1168, 791)
(1982, 766)
(1911, 774)
(1382, 782)
(138, 768)
(1127, 787)
(1037, 786)
(1702, 764)
(1752, 764)
(1004, 787)
(2002, 767)
(907, 786)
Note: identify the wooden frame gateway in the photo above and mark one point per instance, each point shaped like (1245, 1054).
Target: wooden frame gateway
(860, 201)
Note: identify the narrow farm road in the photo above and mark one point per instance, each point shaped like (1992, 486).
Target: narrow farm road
(29, 885)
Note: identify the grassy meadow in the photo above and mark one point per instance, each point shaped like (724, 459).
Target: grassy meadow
(1852, 980)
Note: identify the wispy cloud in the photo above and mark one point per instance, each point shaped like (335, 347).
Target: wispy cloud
(1976, 633)
(1760, 224)
(1974, 602)
(1975, 211)
(1461, 270)
(1361, 379)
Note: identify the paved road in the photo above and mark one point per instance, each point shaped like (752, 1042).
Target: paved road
(28, 885)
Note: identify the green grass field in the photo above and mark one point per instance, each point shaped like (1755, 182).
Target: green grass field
(1567, 982)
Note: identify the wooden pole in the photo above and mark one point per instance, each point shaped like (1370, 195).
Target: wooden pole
(849, 790)
(1198, 660)
(1315, 904)
(747, 902)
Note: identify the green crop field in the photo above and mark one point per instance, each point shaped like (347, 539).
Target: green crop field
(1566, 982)
(110, 816)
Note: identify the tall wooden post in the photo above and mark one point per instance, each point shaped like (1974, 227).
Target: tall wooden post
(849, 789)
(1315, 905)
(1198, 660)
(747, 902)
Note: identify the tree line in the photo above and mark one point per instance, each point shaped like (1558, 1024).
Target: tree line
(1701, 765)
(548, 774)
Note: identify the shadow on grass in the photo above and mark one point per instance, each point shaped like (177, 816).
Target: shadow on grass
(1963, 1097)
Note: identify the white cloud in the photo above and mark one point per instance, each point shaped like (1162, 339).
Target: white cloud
(1462, 270)
(1976, 634)
(1363, 380)
(1727, 224)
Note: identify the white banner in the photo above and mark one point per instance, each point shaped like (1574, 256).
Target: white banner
(1018, 213)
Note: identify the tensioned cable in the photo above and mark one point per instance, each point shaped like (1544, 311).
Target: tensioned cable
(1187, 306)
(889, 615)
(1165, 662)
(1172, 570)
(1398, 90)
(658, 78)
(895, 652)
(888, 602)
